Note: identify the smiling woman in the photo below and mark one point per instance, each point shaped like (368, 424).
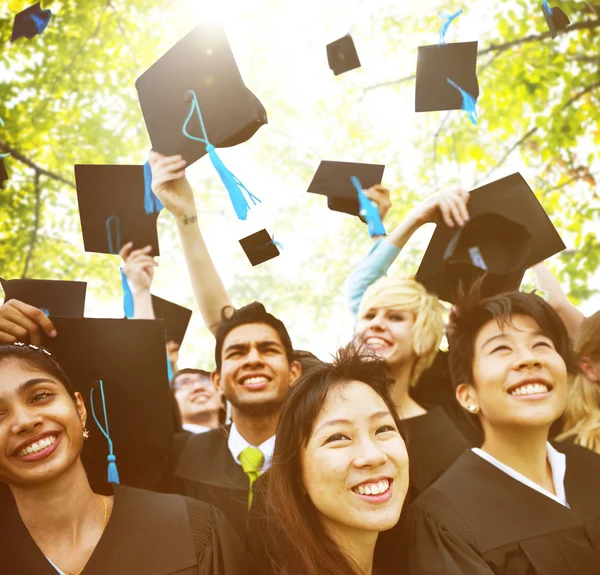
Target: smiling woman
(340, 469)
(53, 522)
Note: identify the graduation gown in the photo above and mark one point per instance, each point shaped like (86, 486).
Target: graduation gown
(147, 534)
(206, 471)
(476, 520)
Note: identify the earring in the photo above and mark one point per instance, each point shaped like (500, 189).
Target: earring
(472, 408)
(86, 433)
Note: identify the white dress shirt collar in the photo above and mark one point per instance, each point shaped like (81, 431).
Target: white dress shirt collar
(237, 444)
(558, 464)
(195, 428)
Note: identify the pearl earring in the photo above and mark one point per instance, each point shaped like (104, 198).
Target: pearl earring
(86, 433)
(472, 408)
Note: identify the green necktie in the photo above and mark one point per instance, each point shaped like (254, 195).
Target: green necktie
(252, 461)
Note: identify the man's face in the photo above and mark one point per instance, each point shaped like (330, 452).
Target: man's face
(520, 379)
(255, 373)
(196, 396)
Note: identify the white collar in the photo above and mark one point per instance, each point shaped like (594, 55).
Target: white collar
(558, 465)
(237, 444)
(195, 428)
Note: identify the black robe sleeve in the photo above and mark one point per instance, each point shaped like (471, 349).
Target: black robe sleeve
(218, 547)
(441, 544)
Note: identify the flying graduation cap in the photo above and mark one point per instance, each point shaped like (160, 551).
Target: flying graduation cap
(556, 19)
(342, 55)
(176, 318)
(508, 231)
(54, 297)
(194, 100)
(112, 209)
(128, 357)
(260, 247)
(446, 75)
(30, 22)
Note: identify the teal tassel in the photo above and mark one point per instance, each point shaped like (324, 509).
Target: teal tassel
(128, 305)
(447, 21)
(113, 474)
(469, 103)
(368, 210)
(232, 184)
(151, 202)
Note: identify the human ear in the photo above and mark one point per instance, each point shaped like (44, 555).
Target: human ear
(215, 377)
(295, 371)
(80, 406)
(589, 369)
(467, 397)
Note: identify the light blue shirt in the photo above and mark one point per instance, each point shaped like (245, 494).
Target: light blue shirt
(375, 265)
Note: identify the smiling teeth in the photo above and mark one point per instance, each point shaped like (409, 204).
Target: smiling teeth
(530, 389)
(377, 341)
(37, 447)
(253, 380)
(372, 488)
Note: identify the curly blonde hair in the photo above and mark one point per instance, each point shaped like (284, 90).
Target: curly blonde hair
(582, 416)
(407, 294)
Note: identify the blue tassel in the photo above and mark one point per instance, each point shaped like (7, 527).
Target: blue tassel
(368, 210)
(151, 202)
(169, 366)
(447, 21)
(117, 221)
(273, 242)
(113, 473)
(546, 7)
(234, 187)
(45, 311)
(41, 23)
(128, 305)
(469, 103)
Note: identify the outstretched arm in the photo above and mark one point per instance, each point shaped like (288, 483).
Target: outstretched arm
(139, 271)
(174, 191)
(557, 298)
(449, 206)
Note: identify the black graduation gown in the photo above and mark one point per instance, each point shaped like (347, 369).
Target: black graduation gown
(476, 520)
(147, 534)
(207, 471)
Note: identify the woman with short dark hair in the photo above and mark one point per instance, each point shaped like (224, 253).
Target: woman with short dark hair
(339, 474)
(52, 521)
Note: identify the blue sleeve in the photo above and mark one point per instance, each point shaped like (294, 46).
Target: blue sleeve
(368, 270)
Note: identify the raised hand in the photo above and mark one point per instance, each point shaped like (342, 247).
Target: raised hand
(170, 184)
(380, 196)
(139, 267)
(448, 206)
(22, 322)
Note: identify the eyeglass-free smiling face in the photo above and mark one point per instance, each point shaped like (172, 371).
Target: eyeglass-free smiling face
(355, 464)
(41, 426)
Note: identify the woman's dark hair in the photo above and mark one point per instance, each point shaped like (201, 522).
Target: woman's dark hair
(32, 357)
(298, 538)
(252, 313)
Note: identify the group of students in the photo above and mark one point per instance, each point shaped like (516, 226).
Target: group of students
(393, 457)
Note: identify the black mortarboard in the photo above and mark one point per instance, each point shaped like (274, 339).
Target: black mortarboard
(259, 247)
(342, 55)
(30, 22)
(176, 317)
(332, 179)
(438, 63)
(56, 298)
(111, 208)
(203, 62)
(508, 231)
(556, 19)
(129, 357)
(3, 173)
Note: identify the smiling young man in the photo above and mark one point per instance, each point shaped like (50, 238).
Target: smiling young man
(518, 505)
(255, 371)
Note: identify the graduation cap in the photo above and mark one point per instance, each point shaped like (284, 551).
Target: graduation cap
(260, 247)
(202, 61)
(3, 173)
(128, 357)
(111, 202)
(556, 19)
(30, 22)
(342, 55)
(176, 317)
(54, 297)
(508, 232)
(334, 180)
(445, 73)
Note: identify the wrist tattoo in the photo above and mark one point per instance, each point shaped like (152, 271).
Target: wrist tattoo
(189, 220)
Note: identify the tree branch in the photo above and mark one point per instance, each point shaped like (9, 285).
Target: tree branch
(24, 160)
(36, 224)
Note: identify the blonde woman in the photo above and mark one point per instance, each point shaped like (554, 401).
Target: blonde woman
(582, 416)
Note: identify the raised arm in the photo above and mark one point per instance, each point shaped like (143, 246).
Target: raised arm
(557, 298)
(139, 271)
(448, 206)
(25, 323)
(174, 191)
